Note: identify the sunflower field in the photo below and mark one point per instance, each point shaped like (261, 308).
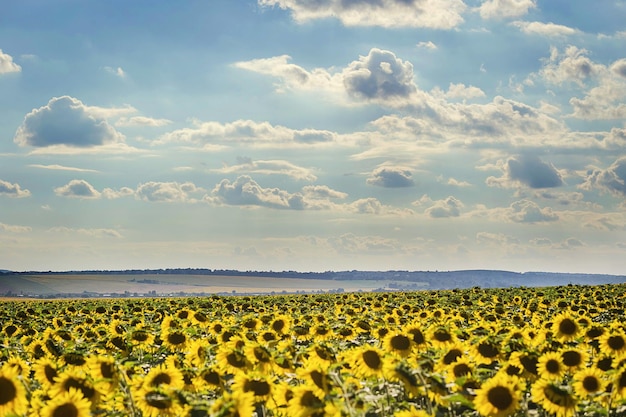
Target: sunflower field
(478, 352)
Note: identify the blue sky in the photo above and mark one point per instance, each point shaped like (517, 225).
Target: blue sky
(313, 135)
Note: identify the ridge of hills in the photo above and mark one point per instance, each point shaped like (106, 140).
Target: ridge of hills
(196, 281)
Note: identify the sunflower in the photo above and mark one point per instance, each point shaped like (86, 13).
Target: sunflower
(573, 358)
(259, 384)
(366, 361)
(550, 366)
(398, 343)
(280, 324)
(498, 397)
(156, 402)
(486, 351)
(12, 393)
(555, 399)
(175, 339)
(588, 382)
(316, 378)
(614, 343)
(305, 403)
(231, 360)
(618, 391)
(565, 327)
(103, 371)
(397, 370)
(197, 354)
(71, 403)
(74, 378)
(237, 404)
(259, 355)
(164, 376)
(321, 354)
(46, 371)
(441, 336)
(209, 379)
(414, 330)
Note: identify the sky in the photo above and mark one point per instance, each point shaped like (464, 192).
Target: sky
(300, 135)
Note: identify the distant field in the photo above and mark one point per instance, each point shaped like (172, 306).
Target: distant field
(42, 284)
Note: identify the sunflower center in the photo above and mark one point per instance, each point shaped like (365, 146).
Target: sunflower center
(442, 335)
(553, 366)
(211, 377)
(88, 392)
(418, 336)
(158, 400)
(176, 338)
(140, 336)
(309, 400)
(318, 379)
(452, 356)
(278, 325)
(621, 381)
(8, 391)
(259, 388)
(568, 327)
(371, 359)
(572, 358)
(488, 350)
(50, 373)
(400, 342)
(461, 369)
(500, 397)
(65, 410)
(591, 384)
(162, 378)
(261, 355)
(236, 359)
(616, 342)
(107, 370)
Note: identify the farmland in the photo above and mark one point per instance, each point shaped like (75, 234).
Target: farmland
(481, 352)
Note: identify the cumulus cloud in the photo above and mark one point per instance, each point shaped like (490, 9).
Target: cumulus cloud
(379, 76)
(7, 65)
(460, 90)
(78, 189)
(167, 192)
(427, 45)
(248, 133)
(244, 191)
(391, 177)
(612, 179)
(269, 167)
(322, 192)
(527, 170)
(447, 207)
(13, 190)
(504, 9)
(571, 66)
(526, 211)
(435, 14)
(66, 121)
(544, 29)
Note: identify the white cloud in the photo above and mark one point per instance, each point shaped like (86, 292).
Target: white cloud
(248, 133)
(544, 29)
(95, 233)
(269, 167)
(460, 90)
(78, 189)
(379, 76)
(14, 228)
(142, 121)
(571, 66)
(504, 9)
(527, 170)
(612, 179)
(427, 45)
(12, 190)
(167, 192)
(526, 211)
(436, 14)
(391, 177)
(67, 121)
(244, 191)
(322, 192)
(56, 167)
(118, 72)
(447, 207)
(7, 65)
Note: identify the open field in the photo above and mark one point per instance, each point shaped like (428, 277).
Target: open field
(49, 284)
(553, 351)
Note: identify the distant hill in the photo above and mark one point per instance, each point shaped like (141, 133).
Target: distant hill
(206, 281)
